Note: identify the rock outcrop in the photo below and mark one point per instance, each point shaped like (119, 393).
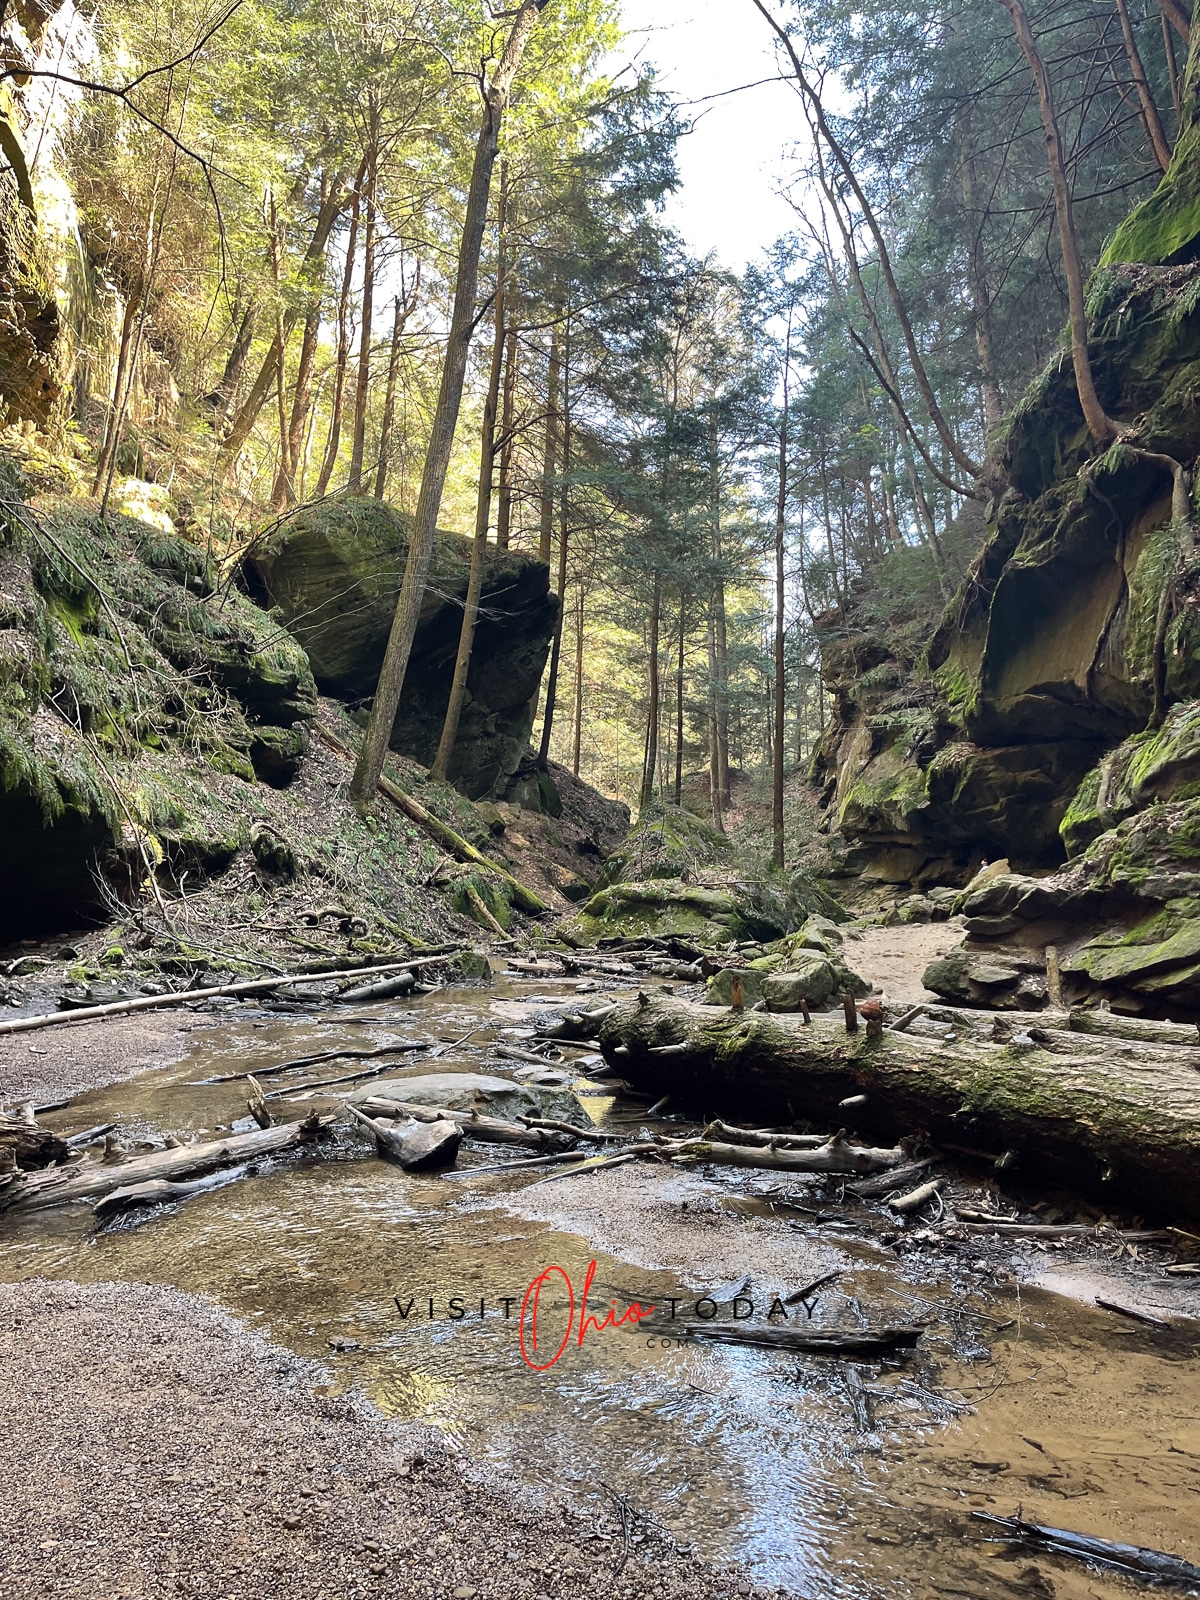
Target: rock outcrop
(131, 693)
(1124, 915)
(333, 573)
(1078, 624)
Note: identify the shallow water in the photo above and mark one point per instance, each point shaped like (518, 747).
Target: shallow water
(829, 1478)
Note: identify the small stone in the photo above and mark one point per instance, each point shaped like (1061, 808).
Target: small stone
(465, 1592)
(291, 1519)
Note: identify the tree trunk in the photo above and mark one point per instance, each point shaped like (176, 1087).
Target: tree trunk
(578, 744)
(1174, 13)
(564, 506)
(483, 512)
(546, 525)
(981, 298)
(504, 493)
(720, 637)
(1150, 116)
(92, 1179)
(1088, 1118)
(1172, 66)
(650, 763)
(780, 542)
(221, 397)
(714, 739)
(454, 368)
(679, 699)
(1100, 425)
(884, 257)
(342, 357)
(389, 399)
(363, 386)
(240, 428)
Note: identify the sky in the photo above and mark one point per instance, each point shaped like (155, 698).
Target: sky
(732, 163)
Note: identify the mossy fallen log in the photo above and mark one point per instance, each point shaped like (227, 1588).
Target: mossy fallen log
(1125, 1125)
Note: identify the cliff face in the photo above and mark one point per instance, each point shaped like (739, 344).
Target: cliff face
(1053, 714)
(1079, 621)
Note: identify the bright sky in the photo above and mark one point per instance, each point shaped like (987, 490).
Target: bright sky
(734, 160)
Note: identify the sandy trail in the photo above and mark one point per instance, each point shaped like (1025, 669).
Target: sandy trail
(895, 958)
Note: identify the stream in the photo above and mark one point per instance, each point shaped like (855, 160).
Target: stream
(825, 1477)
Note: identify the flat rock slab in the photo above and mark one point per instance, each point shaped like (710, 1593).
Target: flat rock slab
(473, 1091)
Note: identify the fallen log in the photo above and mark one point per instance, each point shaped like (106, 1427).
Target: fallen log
(419, 1147)
(854, 1342)
(1127, 1126)
(835, 1155)
(762, 1136)
(161, 1192)
(589, 1135)
(874, 1188)
(402, 983)
(90, 1180)
(1068, 1230)
(437, 829)
(491, 1130)
(1130, 1558)
(180, 997)
(76, 1141)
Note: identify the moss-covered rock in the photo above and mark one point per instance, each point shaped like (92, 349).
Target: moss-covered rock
(667, 842)
(334, 571)
(131, 692)
(662, 907)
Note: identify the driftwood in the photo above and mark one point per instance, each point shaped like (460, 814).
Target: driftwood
(1067, 1230)
(577, 1156)
(916, 1198)
(26, 1144)
(1130, 1558)
(161, 1192)
(76, 1141)
(180, 997)
(418, 1147)
(402, 983)
(835, 1155)
(257, 1104)
(854, 1342)
(577, 1025)
(458, 847)
(89, 1180)
(1097, 1119)
(888, 1182)
(310, 1061)
(762, 1136)
(556, 1125)
(491, 1130)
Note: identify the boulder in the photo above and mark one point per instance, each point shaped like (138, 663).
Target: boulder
(474, 1091)
(664, 908)
(668, 842)
(810, 978)
(996, 980)
(333, 572)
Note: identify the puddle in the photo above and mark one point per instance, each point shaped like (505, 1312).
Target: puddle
(827, 1478)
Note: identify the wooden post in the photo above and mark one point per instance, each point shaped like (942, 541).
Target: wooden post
(851, 1011)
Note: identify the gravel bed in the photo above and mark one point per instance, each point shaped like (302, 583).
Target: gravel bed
(157, 1448)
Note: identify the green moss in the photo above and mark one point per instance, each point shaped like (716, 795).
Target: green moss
(1166, 226)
